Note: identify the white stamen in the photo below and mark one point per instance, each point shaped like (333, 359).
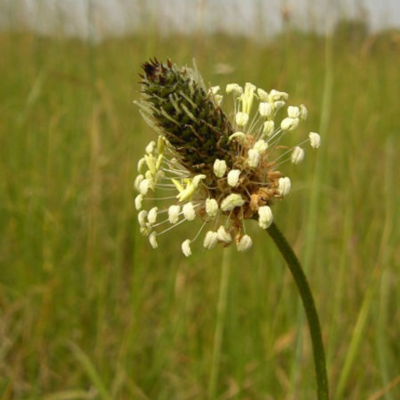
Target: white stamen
(241, 118)
(137, 182)
(315, 140)
(152, 216)
(140, 164)
(293, 112)
(284, 185)
(265, 109)
(279, 104)
(153, 239)
(260, 146)
(233, 177)
(189, 211)
(210, 240)
(173, 213)
(289, 124)
(239, 136)
(211, 207)
(223, 235)
(265, 217)
(151, 163)
(253, 158)
(150, 147)
(138, 201)
(303, 112)
(234, 88)
(186, 248)
(232, 201)
(262, 94)
(144, 186)
(142, 218)
(245, 243)
(297, 155)
(219, 168)
(269, 127)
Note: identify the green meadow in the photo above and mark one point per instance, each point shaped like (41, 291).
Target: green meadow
(88, 310)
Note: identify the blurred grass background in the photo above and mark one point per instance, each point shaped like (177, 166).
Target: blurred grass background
(89, 311)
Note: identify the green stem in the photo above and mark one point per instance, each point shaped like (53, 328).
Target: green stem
(309, 306)
(219, 329)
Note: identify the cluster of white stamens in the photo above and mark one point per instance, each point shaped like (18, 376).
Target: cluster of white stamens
(241, 188)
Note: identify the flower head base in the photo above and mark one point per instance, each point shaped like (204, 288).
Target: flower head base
(220, 170)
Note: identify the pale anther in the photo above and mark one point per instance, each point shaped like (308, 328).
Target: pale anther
(211, 207)
(223, 235)
(138, 201)
(210, 240)
(234, 88)
(265, 109)
(150, 147)
(315, 140)
(233, 177)
(241, 118)
(284, 186)
(297, 155)
(245, 243)
(219, 168)
(173, 213)
(153, 239)
(186, 248)
(189, 211)
(232, 201)
(265, 217)
(152, 215)
(253, 158)
(289, 124)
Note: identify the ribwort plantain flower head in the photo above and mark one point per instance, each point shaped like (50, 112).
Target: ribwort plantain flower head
(209, 165)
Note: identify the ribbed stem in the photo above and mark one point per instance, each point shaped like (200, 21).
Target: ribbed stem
(309, 306)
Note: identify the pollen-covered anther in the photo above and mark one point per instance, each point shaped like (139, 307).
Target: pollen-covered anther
(150, 147)
(189, 212)
(173, 213)
(289, 124)
(268, 128)
(142, 218)
(297, 155)
(240, 137)
(232, 201)
(253, 158)
(153, 239)
(152, 216)
(233, 177)
(265, 109)
(144, 186)
(219, 168)
(211, 207)
(234, 88)
(186, 250)
(223, 235)
(265, 217)
(284, 186)
(138, 201)
(138, 180)
(315, 140)
(260, 146)
(244, 243)
(210, 240)
(241, 118)
(293, 112)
